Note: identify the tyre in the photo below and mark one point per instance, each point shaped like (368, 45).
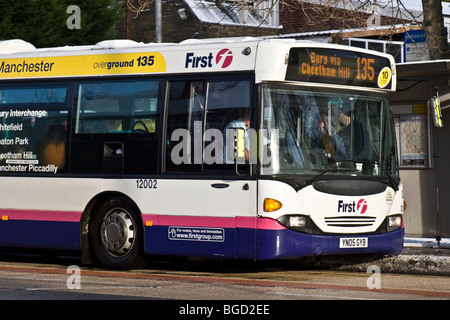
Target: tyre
(116, 235)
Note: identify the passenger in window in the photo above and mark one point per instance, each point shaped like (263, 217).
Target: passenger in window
(55, 148)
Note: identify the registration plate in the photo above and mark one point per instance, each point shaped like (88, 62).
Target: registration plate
(353, 242)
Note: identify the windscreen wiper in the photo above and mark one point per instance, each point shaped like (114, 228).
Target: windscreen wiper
(317, 176)
(392, 182)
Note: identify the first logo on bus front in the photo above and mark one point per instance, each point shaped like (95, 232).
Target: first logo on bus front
(223, 59)
(353, 206)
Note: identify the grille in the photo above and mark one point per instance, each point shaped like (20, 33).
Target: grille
(350, 221)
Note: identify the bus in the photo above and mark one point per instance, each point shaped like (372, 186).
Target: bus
(235, 148)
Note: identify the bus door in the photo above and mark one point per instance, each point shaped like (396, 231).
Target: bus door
(205, 178)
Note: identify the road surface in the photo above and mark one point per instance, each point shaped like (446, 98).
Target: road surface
(63, 279)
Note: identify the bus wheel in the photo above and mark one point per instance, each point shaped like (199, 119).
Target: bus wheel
(116, 235)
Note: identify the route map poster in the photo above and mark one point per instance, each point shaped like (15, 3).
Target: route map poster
(413, 140)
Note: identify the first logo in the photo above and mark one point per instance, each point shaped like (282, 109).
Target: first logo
(224, 58)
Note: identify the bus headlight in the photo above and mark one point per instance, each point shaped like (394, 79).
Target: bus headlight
(394, 222)
(295, 222)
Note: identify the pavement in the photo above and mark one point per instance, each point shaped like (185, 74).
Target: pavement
(424, 256)
(420, 256)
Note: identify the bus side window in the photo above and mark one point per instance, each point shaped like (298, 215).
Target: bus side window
(228, 106)
(116, 112)
(185, 126)
(38, 117)
(117, 107)
(199, 114)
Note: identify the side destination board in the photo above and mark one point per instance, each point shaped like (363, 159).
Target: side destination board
(99, 64)
(339, 67)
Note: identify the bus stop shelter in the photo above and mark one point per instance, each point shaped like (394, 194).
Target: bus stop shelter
(424, 150)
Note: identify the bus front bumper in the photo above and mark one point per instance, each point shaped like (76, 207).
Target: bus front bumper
(289, 244)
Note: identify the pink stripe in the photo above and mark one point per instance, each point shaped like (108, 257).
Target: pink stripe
(194, 221)
(41, 215)
(246, 222)
(153, 218)
(197, 221)
(269, 224)
(213, 222)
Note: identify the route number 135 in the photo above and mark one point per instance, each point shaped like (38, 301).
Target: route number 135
(365, 69)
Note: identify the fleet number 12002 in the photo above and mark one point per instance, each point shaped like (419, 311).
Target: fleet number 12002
(146, 183)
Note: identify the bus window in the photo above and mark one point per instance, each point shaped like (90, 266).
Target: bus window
(117, 107)
(116, 127)
(199, 114)
(187, 101)
(33, 126)
(33, 94)
(228, 107)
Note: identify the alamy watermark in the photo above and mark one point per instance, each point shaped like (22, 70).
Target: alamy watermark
(374, 281)
(74, 280)
(74, 20)
(221, 149)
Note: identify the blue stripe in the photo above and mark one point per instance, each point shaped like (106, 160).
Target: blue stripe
(261, 244)
(40, 234)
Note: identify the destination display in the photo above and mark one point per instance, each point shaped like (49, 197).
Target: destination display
(339, 67)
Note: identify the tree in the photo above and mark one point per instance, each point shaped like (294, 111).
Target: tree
(433, 25)
(28, 21)
(97, 18)
(136, 6)
(44, 22)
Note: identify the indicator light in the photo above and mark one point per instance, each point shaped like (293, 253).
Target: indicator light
(271, 205)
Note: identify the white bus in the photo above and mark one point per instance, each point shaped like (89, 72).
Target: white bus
(122, 150)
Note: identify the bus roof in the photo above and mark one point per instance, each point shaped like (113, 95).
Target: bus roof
(268, 58)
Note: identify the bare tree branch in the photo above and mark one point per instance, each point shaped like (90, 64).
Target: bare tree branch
(136, 6)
